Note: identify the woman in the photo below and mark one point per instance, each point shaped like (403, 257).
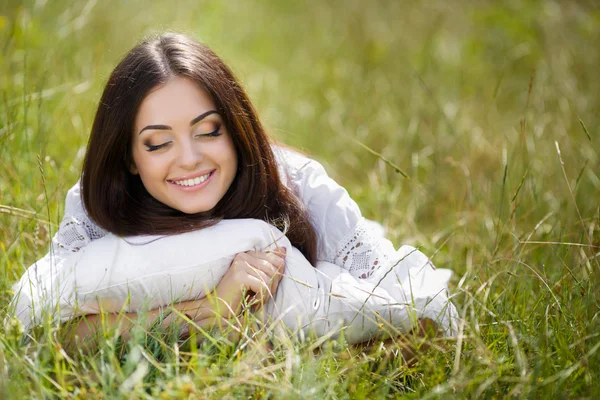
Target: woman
(176, 147)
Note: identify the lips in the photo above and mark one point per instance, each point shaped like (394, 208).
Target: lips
(192, 180)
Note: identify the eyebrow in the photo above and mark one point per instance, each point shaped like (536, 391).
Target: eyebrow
(192, 122)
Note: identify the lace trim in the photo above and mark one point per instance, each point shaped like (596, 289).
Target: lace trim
(362, 252)
(75, 232)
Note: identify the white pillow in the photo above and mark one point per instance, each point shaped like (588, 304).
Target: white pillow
(113, 274)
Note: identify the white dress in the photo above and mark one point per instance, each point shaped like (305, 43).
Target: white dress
(360, 283)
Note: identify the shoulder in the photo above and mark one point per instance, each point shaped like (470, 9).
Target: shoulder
(290, 159)
(294, 167)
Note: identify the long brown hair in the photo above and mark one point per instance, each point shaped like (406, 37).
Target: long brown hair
(118, 201)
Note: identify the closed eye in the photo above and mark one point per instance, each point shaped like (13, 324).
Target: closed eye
(211, 134)
(214, 133)
(157, 147)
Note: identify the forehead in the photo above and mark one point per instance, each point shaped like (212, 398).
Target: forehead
(177, 99)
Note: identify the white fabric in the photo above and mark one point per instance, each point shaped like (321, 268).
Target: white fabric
(351, 250)
(76, 230)
(114, 274)
(333, 213)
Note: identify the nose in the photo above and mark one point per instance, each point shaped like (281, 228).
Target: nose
(189, 156)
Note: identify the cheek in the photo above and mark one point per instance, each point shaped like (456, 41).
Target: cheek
(149, 169)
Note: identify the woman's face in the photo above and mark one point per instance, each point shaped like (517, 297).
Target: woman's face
(181, 149)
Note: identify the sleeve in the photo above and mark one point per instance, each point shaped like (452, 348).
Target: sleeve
(76, 230)
(411, 287)
(345, 238)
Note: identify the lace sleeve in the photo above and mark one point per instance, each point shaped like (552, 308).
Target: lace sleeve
(76, 229)
(364, 249)
(344, 237)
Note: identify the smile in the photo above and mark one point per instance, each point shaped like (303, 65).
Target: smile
(191, 182)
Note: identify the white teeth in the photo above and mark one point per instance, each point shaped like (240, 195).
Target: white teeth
(192, 182)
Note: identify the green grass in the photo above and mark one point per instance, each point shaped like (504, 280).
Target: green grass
(472, 100)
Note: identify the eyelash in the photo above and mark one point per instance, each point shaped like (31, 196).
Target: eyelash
(214, 133)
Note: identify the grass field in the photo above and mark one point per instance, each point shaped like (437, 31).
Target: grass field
(491, 109)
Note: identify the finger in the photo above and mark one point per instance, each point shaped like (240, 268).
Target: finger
(279, 251)
(264, 263)
(271, 282)
(251, 270)
(273, 258)
(275, 284)
(239, 261)
(265, 285)
(245, 266)
(243, 260)
(262, 290)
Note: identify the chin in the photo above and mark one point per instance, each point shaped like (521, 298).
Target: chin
(195, 210)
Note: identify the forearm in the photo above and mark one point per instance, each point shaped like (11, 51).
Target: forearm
(85, 332)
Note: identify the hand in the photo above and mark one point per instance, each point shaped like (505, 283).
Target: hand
(254, 273)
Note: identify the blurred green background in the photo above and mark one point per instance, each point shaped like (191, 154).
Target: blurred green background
(471, 99)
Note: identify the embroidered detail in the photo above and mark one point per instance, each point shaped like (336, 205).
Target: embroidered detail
(75, 232)
(362, 251)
